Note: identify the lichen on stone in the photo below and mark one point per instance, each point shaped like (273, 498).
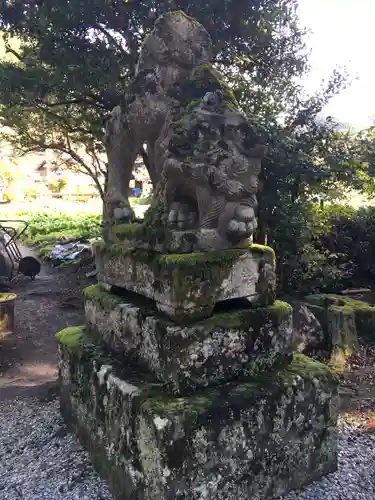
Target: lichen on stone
(199, 408)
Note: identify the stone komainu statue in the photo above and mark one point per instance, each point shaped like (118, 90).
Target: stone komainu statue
(204, 154)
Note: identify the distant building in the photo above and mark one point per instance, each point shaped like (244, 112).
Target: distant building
(140, 179)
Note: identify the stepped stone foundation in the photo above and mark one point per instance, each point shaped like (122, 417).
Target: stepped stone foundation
(219, 408)
(253, 439)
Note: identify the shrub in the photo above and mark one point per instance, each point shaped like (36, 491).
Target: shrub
(142, 200)
(335, 251)
(55, 227)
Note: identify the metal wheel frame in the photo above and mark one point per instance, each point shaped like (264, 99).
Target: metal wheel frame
(10, 246)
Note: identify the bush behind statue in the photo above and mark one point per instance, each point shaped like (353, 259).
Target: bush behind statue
(333, 250)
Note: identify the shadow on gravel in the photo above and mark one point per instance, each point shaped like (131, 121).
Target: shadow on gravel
(44, 392)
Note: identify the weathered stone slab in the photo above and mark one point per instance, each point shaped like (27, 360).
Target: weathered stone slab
(140, 236)
(364, 313)
(308, 330)
(247, 440)
(189, 285)
(341, 318)
(208, 352)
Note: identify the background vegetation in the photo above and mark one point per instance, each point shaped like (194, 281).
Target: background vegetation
(61, 75)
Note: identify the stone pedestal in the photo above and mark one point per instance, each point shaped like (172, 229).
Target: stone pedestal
(244, 440)
(183, 383)
(188, 286)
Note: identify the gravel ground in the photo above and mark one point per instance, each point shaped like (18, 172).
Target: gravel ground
(355, 478)
(39, 460)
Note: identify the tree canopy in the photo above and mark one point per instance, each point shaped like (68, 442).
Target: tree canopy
(70, 68)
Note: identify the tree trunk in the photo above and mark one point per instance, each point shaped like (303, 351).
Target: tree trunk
(7, 312)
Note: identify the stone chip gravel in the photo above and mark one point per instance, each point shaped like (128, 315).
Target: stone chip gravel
(40, 460)
(355, 478)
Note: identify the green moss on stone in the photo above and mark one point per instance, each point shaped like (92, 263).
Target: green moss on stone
(264, 250)
(178, 13)
(250, 318)
(128, 230)
(196, 263)
(208, 404)
(280, 309)
(208, 78)
(346, 303)
(211, 402)
(7, 297)
(308, 368)
(196, 276)
(95, 293)
(364, 313)
(200, 260)
(73, 338)
(141, 233)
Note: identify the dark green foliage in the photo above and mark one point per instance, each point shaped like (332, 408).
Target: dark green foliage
(335, 251)
(352, 240)
(305, 264)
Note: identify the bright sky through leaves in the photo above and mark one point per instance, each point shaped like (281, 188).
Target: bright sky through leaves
(343, 35)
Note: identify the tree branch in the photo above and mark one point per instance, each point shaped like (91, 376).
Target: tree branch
(72, 101)
(66, 148)
(9, 50)
(61, 119)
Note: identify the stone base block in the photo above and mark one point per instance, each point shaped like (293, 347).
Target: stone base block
(255, 440)
(224, 347)
(189, 285)
(342, 319)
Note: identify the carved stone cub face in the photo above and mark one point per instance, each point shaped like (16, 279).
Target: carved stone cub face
(218, 148)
